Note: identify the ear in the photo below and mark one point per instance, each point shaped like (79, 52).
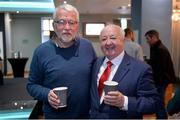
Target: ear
(153, 37)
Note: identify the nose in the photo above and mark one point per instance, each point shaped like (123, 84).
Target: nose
(67, 26)
(108, 41)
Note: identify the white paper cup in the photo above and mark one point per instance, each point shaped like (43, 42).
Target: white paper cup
(61, 92)
(110, 86)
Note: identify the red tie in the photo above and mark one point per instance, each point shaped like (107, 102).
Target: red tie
(104, 77)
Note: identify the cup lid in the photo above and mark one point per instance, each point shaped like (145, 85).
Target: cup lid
(110, 83)
(60, 88)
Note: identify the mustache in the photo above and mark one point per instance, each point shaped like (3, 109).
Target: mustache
(66, 31)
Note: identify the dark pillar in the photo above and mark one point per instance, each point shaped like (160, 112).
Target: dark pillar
(152, 14)
(2, 28)
(136, 17)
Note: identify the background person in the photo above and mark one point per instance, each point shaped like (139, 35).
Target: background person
(136, 94)
(132, 48)
(63, 61)
(162, 65)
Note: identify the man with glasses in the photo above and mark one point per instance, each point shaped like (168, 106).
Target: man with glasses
(64, 61)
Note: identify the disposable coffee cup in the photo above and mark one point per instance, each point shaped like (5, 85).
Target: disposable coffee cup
(110, 86)
(61, 92)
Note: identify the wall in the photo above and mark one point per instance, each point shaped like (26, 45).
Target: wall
(156, 14)
(26, 35)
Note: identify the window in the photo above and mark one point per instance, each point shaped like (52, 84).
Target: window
(93, 29)
(46, 27)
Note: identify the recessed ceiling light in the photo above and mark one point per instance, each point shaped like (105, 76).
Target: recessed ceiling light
(65, 2)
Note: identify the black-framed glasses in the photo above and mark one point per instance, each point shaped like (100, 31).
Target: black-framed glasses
(63, 22)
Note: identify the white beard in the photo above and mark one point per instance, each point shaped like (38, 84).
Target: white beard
(67, 39)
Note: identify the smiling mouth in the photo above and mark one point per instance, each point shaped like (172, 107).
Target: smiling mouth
(66, 33)
(110, 48)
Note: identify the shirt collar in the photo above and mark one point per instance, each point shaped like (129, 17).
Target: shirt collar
(54, 41)
(76, 45)
(117, 60)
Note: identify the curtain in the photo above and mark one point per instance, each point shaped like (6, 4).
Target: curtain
(176, 46)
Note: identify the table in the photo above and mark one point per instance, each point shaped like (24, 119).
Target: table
(20, 109)
(18, 66)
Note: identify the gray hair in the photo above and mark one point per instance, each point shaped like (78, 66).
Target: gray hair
(66, 7)
(121, 31)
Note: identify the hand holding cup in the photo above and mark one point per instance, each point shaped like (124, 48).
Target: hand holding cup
(110, 86)
(61, 92)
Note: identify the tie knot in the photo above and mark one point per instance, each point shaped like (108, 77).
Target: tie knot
(109, 63)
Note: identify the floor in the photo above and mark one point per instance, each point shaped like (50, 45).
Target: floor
(14, 89)
(10, 75)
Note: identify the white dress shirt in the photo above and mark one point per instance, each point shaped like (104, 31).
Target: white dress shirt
(116, 62)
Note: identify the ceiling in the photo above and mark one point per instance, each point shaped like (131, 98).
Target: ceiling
(99, 6)
(84, 6)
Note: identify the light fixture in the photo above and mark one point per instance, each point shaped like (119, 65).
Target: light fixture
(123, 23)
(26, 6)
(124, 9)
(65, 2)
(176, 13)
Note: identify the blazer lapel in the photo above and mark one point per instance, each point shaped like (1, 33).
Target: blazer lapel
(98, 63)
(122, 69)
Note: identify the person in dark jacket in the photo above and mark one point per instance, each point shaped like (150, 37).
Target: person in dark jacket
(161, 63)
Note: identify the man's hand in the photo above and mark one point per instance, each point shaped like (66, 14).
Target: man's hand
(53, 99)
(114, 98)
